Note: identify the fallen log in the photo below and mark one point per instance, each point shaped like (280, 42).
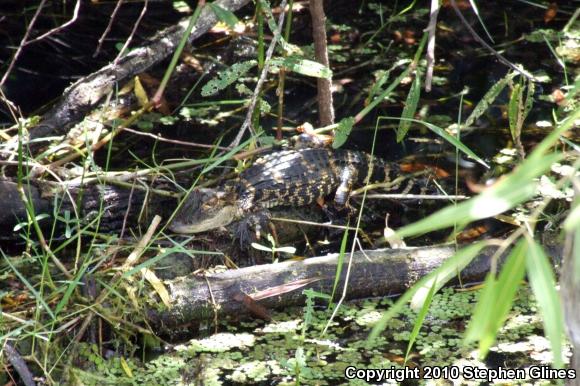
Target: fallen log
(109, 208)
(381, 272)
(114, 206)
(86, 93)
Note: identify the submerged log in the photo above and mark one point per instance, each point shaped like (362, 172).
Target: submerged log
(382, 272)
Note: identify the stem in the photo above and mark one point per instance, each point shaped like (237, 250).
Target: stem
(282, 76)
(325, 108)
(159, 94)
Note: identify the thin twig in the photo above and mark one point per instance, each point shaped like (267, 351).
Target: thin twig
(248, 121)
(22, 43)
(59, 28)
(432, 28)
(175, 141)
(417, 197)
(108, 27)
(499, 56)
(126, 216)
(304, 222)
(282, 75)
(132, 34)
(18, 364)
(214, 307)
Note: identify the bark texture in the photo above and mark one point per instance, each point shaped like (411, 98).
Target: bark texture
(382, 272)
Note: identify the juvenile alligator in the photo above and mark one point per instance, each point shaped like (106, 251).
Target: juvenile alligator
(284, 178)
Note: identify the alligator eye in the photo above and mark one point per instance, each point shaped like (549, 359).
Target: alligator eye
(209, 203)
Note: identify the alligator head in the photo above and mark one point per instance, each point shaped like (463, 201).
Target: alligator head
(203, 210)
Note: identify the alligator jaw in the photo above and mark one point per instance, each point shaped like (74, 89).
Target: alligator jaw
(218, 219)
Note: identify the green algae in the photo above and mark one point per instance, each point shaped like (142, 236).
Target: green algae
(277, 352)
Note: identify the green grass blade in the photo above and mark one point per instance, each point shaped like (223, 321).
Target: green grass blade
(33, 291)
(488, 99)
(514, 111)
(445, 273)
(72, 285)
(573, 220)
(410, 108)
(543, 284)
(421, 318)
(506, 194)
(303, 66)
(224, 15)
(487, 299)
(496, 300)
(446, 136)
(361, 114)
(460, 259)
(476, 11)
(452, 139)
(339, 263)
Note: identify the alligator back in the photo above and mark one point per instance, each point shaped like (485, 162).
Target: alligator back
(300, 177)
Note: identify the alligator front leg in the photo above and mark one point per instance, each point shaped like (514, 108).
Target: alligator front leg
(249, 229)
(348, 178)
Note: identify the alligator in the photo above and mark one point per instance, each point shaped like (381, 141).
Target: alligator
(285, 178)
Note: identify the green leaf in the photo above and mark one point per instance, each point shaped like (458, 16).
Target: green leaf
(227, 77)
(145, 125)
(515, 111)
(484, 304)
(575, 234)
(383, 95)
(361, 114)
(224, 15)
(529, 98)
(410, 108)
(342, 132)
(37, 218)
(445, 135)
(72, 285)
(573, 220)
(543, 284)
(261, 247)
(303, 66)
(488, 99)
(455, 142)
(265, 5)
(383, 76)
(288, 250)
(496, 300)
